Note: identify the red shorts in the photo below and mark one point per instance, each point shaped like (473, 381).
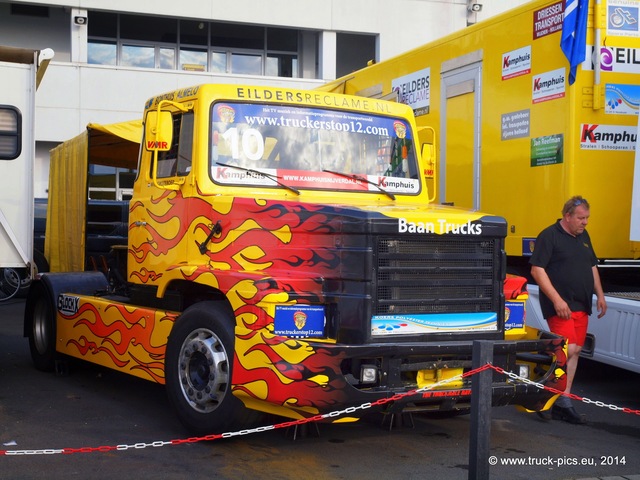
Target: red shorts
(574, 329)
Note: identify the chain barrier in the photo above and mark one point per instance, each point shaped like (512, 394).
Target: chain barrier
(315, 418)
(597, 403)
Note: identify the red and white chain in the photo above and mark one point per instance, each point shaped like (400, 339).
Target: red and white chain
(293, 423)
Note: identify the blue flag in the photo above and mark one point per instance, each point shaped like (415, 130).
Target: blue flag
(574, 34)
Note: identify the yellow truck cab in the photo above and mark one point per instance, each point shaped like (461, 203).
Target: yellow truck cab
(283, 257)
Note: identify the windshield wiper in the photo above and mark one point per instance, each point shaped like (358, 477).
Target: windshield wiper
(362, 179)
(275, 178)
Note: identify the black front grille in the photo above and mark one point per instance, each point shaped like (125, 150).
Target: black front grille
(434, 274)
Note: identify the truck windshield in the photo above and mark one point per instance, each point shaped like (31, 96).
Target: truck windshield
(311, 148)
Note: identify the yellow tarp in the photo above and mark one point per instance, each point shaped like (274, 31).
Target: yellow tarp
(115, 145)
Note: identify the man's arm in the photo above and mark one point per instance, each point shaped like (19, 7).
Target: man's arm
(597, 287)
(542, 279)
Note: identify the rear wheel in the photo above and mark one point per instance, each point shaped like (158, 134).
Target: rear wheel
(9, 283)
(41, 327)
(198, 369)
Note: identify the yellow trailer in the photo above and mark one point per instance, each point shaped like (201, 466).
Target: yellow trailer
(514, 137)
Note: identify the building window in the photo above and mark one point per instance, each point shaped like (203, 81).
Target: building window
(167, 43)
(194, 59)
(148, 29)
(143, 56)
(102, 52)
(29, 10)
(353, 52)
(167, 58)
(10, 132)
(218, 62)
(110, 183)
(282, 65)
(246, 63)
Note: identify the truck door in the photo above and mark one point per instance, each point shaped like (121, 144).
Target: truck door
(159, 212)
(460, 127)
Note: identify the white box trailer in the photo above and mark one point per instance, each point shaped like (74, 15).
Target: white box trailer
(613, 339)
(21, 71)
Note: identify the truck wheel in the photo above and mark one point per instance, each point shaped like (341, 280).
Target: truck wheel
(40, 326)
(9, 283)
(198, 369)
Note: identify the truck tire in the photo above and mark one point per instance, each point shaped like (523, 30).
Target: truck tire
(40, 327)
(198, 369)
(9, 283)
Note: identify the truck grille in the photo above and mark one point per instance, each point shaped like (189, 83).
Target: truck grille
(432, 274)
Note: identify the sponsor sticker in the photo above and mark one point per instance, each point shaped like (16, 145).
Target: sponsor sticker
(595, 136)
(515, 124)
(516, 63)
(549, 85)
(513, 315)
(547, 20)
(299, 321)
(528, 244)
(68, 305)
(614, 59)
(382, 325)
(547, 150)
(622, 99)
(622, 18)
(414, 90)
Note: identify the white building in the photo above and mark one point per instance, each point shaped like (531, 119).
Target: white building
(111, 56)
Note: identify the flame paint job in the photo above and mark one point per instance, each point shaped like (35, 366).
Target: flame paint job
(269, 252)
(125, 338)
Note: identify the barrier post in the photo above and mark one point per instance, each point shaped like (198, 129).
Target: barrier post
(479, 438)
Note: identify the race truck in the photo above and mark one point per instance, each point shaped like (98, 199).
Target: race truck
(283, 257)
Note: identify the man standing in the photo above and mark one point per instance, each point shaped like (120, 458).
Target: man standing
(564, 265)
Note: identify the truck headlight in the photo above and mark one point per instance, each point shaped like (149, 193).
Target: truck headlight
(368, 374)
(523, 370)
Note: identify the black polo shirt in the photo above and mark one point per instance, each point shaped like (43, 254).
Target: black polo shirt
(568, 261)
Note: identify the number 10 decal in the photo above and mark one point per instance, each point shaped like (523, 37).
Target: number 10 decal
(251, 142)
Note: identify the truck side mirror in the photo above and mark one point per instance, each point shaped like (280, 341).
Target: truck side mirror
(427, 138)
(158, 131)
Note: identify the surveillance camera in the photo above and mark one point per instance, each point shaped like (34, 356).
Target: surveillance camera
(80, 20)
(475, 7)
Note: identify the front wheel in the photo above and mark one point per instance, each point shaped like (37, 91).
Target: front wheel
(198, 369)
(40, 325)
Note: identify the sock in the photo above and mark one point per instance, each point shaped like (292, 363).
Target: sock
(563, 402)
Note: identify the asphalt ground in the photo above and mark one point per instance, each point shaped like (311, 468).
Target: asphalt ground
(93, 407)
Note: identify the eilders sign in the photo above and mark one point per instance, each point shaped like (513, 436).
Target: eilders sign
(620, 59)
(614, 59)
(414, 90)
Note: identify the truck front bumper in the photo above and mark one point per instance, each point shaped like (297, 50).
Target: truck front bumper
(402, 368)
